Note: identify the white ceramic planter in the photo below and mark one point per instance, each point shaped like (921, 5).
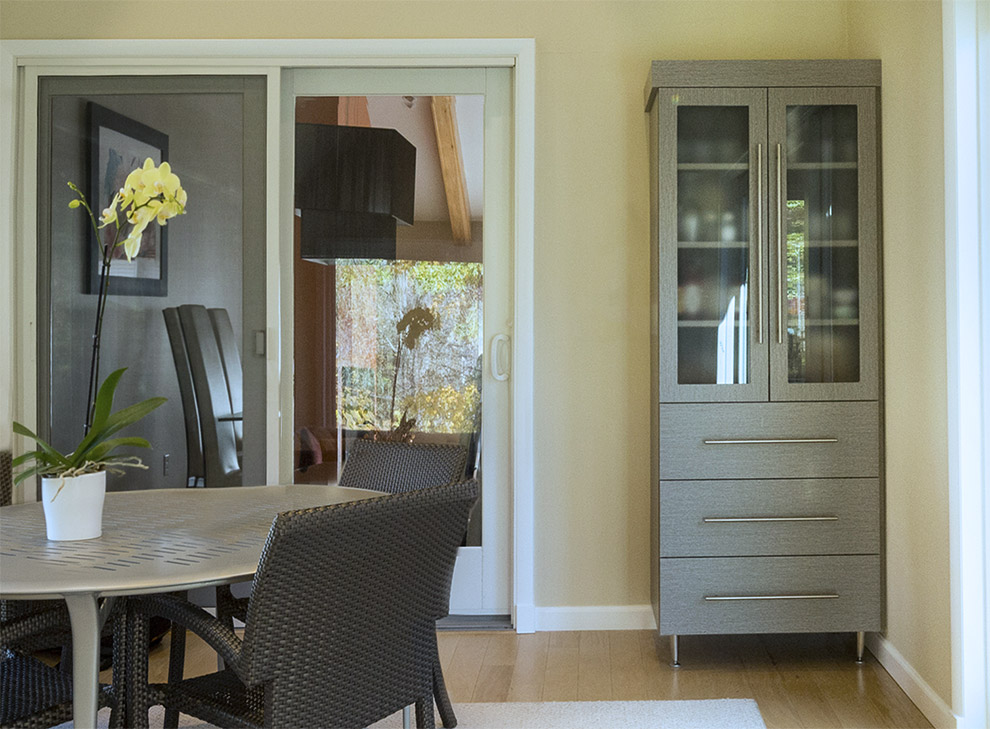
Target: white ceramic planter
(77, 511)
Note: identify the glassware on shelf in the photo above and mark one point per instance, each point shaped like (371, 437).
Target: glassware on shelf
(690, 224)
(823, 257)
(728, 231)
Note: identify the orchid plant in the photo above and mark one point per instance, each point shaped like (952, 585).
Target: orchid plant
(150, 194)
(416, 322)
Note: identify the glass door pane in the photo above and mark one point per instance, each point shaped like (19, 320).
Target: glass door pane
(822, 274)
(821, 296)
(712, 251)
(450, 256)
(716, 315)
(211, 129)
(388, 336)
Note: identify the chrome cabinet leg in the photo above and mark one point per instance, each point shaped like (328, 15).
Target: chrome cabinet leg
(860, 645)
(674, 662)
(406, 717)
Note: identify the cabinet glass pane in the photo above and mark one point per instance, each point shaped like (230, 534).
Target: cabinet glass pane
(822, 246)
(713, 244)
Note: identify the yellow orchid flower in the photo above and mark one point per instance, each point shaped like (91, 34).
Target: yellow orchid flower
(145, 214)
(149, 193)
(109, 214)
(132, 244)
(168, 210)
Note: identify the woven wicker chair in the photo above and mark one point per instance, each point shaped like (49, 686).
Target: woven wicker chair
(339, 632)
(47, 634)
(35, 695)
(397, 467)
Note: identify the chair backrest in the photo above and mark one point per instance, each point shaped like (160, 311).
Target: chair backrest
(397, 467)
(342, 627)
(6, 478)
(190, 412)
(220, 463)
(232, 369)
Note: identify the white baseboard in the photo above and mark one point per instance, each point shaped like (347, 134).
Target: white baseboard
(524, 618)
(924, 697)
(596, 617)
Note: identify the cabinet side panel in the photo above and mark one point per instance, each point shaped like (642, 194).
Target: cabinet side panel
(654, 365)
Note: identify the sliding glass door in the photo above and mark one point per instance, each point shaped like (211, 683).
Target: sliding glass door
(402, 286)
(92, 132)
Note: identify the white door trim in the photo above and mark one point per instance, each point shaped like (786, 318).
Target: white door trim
(17, 235)
(965, 32)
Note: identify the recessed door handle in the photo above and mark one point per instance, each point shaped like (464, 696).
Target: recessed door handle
(499, 349)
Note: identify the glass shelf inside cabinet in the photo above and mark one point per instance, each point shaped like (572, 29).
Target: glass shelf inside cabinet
(712, 244)
(822, 246)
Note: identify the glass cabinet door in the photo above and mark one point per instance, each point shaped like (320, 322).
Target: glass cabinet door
(713, 325)
(823, 246)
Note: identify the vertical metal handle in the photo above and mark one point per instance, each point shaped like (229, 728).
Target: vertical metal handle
(759, 241)
(780, 246)
(500, 342)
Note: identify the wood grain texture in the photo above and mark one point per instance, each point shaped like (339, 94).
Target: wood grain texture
(763, 73)
(452, 167)
(684, 428)
(685, 583)
(684, 505)
(808, 681)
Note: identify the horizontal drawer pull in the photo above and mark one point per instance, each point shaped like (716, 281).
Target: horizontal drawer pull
(733, 519)
(761, 441)
(720, 598)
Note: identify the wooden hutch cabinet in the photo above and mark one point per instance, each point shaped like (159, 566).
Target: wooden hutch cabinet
(767, 395)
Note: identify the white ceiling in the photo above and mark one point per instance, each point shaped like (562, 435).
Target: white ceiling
(415, 123)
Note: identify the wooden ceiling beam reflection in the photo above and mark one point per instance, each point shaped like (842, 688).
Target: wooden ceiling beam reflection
(347, 111)
(452, 167)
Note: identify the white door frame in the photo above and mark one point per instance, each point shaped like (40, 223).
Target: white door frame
(965, 32)
(21, 62)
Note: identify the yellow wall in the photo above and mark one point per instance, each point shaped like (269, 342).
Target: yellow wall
(907, 37)
(592, 248)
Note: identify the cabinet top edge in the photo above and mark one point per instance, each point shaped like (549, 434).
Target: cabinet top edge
(701, 74)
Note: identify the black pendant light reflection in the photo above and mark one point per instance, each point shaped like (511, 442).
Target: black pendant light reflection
(353, 184)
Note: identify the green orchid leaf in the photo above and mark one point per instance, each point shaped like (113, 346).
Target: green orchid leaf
(97, 446)
(51, 456)
(101, 451)
(104, 398)
(23, 458)
(114, 423)
(101, 411)
(29, 472)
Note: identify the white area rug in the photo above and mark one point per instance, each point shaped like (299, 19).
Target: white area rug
(707, 714)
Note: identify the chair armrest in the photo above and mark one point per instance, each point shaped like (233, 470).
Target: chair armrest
(219, 636)
(25, 626)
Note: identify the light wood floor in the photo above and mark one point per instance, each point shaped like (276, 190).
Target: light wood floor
(807, 681)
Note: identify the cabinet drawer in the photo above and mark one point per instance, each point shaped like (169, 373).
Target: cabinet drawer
(781, 517)
(770, 594)
(769, 440)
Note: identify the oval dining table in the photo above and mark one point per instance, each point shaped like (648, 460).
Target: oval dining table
(159, 540)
